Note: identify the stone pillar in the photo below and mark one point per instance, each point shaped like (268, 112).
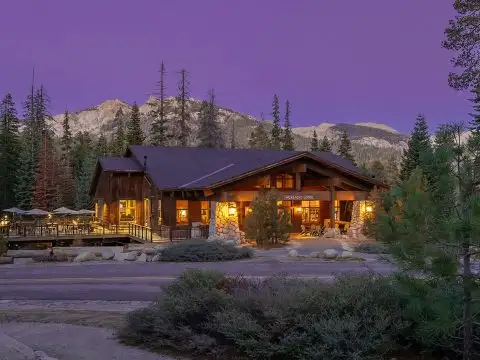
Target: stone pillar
(355, 213)
(212, 233)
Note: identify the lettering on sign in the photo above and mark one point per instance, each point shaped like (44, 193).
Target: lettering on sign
(298, 197)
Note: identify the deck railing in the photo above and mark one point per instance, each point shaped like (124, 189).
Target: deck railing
(58, 230)
(142, 232)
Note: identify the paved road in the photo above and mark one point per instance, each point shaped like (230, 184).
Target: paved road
(143, 281)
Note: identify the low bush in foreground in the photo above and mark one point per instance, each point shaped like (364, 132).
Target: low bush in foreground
(356, 317)
(371, 248)
(201, 250)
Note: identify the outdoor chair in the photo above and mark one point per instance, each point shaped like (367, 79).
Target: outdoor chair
(303, 231)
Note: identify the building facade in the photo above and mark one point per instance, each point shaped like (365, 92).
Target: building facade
(196, 188)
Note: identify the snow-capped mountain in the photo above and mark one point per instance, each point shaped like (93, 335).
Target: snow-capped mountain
(367, 138)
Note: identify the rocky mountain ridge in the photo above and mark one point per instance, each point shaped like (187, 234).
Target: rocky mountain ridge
(370, 140)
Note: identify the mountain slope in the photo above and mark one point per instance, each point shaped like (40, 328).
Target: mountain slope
(367, 138)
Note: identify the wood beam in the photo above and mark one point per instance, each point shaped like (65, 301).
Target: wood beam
(300, 168)
(344, 180)
(298, 181)
(208, 192)
(332, 207)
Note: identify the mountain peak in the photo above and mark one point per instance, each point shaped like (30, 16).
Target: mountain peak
(377, 126)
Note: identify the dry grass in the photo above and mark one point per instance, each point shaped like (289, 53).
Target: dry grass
(102, 319)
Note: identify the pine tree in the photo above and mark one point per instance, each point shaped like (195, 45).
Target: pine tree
(444, 136)
(45, 189)
(210, 134)
(84, 159)
(182, 112)
(9, 150)
(134, 131)
(314, 142)
(119, 141)
(418, 143)
(259, 138)
(233, 143)
(66, 181)
(101, 149)
(287, 132)
(345, 147)
(276, 134)
(159, 136)
(325, 145)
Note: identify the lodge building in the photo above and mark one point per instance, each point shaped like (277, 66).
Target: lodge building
(185, 188)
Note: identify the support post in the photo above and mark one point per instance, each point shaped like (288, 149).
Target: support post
(332, 207)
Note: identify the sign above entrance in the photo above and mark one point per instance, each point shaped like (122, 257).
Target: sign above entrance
(290, 197)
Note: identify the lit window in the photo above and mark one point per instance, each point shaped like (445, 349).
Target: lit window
(182, 212)
(127, 210)
(205, 212)
(311, 211)
(284, 181)
(159, 212)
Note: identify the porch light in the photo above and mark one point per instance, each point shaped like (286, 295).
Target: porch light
(298, 209)
(368, 209)
(231, 210)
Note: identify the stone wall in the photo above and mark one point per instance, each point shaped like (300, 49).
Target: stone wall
(223, 225)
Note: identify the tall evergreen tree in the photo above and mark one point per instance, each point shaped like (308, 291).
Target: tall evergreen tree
(119, 141)
(209, 134)
(66, 181)
(345, 147)
(182, 112)
(276, 134)
(325, 145)
(101, 149)
(134, 131)
(9, 150)
(45, 189)
(314, 142)
(259, 138)
(233, 143)
(418, 143)
(159, 135)
(84, 158)
(444, 136)
(287, 132)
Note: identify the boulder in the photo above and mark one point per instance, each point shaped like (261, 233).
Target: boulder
(40, 355)
(119, 256)
(314, 254)
(331, 233)
(346, 254)
(330, 254)
(108, 254)
(156, 258)
(293, 253)
(85, 256)
(159, 248)
(230, 242)
(149, 251)
(6, 259)
(130, 256)
(347, 247)
(142, 258)
(12, 349)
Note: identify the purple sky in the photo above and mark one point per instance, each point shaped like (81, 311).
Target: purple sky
(336, 61)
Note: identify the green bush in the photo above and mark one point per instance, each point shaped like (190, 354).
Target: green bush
(201, 250)
(3, 246)
(371, 248)
(206, 313)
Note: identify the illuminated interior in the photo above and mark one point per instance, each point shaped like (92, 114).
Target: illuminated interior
(146, 211)
(310, 211)
(205, 212)
(284, 181)
(182, 212)
(160, 220)
(127, 210)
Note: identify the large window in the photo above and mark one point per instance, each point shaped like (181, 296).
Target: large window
(182, 212)
(284, 181)
(310, 211)
(127, 210)
(205, 212)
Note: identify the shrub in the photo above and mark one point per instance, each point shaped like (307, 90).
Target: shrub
(206, 313)
(371, 248)
(268, 223)
(3, 246)
(47, 258)
(201, 250)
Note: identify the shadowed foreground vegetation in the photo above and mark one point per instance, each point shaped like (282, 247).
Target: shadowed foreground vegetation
(205, 313)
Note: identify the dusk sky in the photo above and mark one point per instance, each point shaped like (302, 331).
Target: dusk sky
(336, 61)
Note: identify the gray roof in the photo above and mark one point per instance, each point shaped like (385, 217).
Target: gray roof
(126, 164)
(199, 168)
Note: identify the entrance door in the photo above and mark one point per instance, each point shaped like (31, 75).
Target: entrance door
(296, 217)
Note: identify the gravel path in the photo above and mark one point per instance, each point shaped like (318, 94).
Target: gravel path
(70, 342)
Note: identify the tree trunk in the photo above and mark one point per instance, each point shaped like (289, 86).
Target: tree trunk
(467, 304)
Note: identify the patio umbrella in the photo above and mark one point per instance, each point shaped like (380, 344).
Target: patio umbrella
(64, 211)
(85, 212)
(14, 210)
(36, 212)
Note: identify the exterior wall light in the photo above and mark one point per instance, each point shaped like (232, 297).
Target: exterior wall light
(231, 210)
(298, 209)
(368, 209)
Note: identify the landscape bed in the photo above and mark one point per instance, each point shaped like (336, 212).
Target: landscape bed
(356, 317)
